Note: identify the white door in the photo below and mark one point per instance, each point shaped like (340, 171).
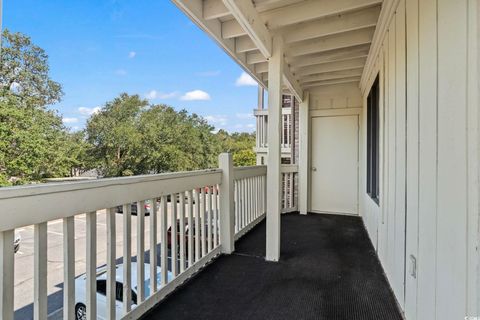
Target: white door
(335, 164)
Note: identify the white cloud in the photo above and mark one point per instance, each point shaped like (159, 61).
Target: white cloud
(154, 94)
(244, 116)
(88, 111)
(132, 54)
(245, 80)
(195, 95)
(250, 126)
(220, 120)
(120, 72)
(70, 120)
(211, 73)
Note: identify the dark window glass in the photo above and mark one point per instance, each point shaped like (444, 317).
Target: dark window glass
(373, 141)
(119, 293)
(102, 287)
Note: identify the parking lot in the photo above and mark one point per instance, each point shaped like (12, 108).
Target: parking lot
(24, 260)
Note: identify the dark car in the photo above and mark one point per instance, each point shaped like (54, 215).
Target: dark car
(133, 209)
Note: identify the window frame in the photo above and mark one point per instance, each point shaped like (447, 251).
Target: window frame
(373, 142)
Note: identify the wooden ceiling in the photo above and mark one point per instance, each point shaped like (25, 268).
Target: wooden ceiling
(325, 41)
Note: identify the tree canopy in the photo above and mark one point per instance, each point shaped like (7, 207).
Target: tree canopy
(128, 136)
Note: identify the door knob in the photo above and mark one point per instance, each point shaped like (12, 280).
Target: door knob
(314, 169)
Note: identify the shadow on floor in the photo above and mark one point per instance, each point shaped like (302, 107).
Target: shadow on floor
(328, 270)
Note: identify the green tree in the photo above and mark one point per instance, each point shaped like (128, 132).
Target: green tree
(240, 145)
(24, 72)
(34, 144)
(113, 133)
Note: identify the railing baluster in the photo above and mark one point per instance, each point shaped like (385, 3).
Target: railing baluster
(202, 221)
(140, 251)
(215, 216)
(153, 246)
(69, 268)
(174, 234)
(111, 263)
(250, 200)
(6, 274)
(182, 231)
(163, 241)
(209, 217)
(91, 260)
(40, 271)
(243, 202)
(237, 206)
(127, 258)
(190, 227)
(197, 225)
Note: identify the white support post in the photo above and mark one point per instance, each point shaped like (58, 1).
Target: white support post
(6, 274)
(303, 159)
(69, 268)
(274, 207)
(227, 220)
(91, 259)
(40, 272)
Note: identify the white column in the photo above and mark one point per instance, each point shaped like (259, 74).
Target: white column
(303, 159)
(6, 274)
(275, 72)
(227, 219)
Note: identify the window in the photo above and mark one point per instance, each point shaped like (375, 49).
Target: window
(119, 293)
(102, 287)
(373, 141)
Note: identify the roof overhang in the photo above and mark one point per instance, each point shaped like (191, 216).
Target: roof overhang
(325, 41)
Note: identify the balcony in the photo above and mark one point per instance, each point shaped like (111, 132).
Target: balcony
(325, 258)
(212, 208)
(262, 131)
(328, 270)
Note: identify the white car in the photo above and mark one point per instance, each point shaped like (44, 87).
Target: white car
(81, 290)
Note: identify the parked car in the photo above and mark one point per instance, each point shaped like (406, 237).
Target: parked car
(81, 290)
(187, 231)
(133, 209)
(16, 243)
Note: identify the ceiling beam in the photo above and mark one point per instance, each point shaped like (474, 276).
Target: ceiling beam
(255, 57)
(292, 83)
(332, 75)
(261, 67)
(194, 10)
(333, 82)
(214, 9)
(332, 25)
(332, 66)
(261, 38)
(312, 9)
(244, 44)
(329, 56)
(248, 17)
(343, 40)
(232, 29)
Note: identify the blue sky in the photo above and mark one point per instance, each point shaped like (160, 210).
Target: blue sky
(98, 49)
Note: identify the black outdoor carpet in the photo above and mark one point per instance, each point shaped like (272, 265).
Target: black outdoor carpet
(328, 270)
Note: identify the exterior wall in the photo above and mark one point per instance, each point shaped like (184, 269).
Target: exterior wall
(429, 159)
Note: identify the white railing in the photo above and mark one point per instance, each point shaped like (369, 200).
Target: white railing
(192, 217)
(289, 193)
(262, 129)
(250, 198)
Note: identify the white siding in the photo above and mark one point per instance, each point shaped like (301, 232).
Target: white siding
(429, 158)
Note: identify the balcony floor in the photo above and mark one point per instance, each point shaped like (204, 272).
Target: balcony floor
(328, 270)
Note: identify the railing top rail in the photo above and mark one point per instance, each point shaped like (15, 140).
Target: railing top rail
(285, 168)
(45, 188)
(250, 171)
(22, 206)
